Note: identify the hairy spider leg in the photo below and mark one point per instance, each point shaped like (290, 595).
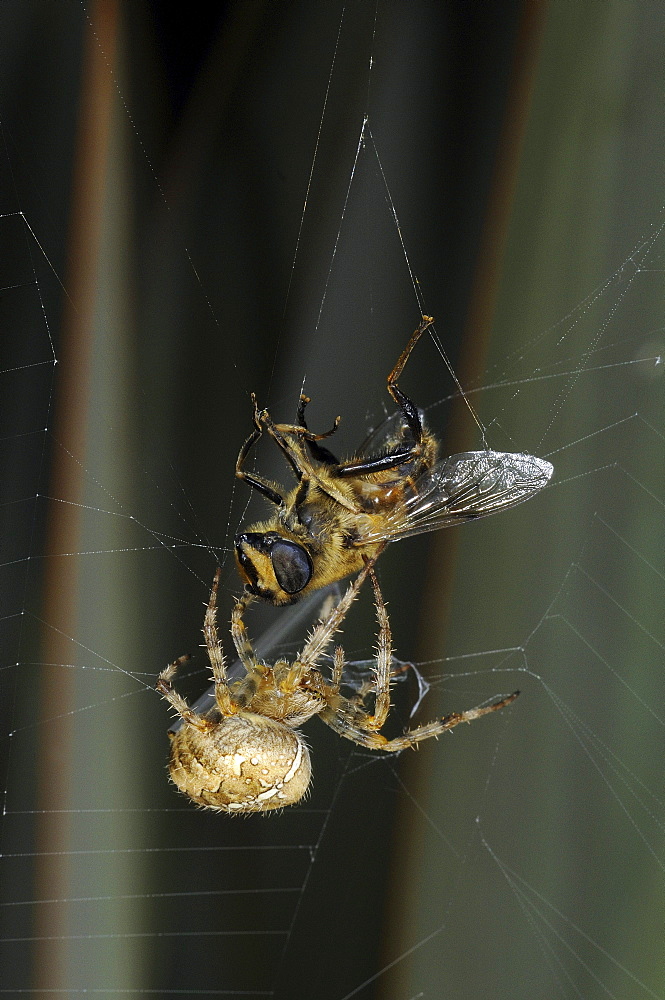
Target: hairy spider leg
(351, 721)
(215, 653)
(369, 686)
(254, 669)
(176, 700)
(217, 662)
(354, 727)
(384, 655)
(323, 632)
(348, 711)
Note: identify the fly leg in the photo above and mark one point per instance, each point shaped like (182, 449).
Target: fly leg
(409, 409)
(265, 488)
(411, 415)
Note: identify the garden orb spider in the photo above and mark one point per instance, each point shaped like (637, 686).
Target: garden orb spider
(247, 754)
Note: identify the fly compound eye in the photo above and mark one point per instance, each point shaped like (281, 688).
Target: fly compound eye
(292, 565)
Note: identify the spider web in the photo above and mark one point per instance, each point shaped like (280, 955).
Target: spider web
(521, 857)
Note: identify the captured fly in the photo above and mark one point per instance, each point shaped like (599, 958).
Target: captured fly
(340, 513)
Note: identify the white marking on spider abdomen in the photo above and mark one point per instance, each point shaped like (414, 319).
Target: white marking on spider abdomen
(237, 761)
(297, 761)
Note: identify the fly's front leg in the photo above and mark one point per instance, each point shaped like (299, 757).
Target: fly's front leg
(317, 451)
(262, 486)
(291, 439)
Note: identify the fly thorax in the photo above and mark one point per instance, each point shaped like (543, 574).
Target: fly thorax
(314, 519)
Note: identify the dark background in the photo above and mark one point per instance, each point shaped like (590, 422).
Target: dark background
(161, 157)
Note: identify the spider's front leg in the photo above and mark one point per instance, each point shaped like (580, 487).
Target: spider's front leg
(216, 654)
(322, 633)
(254, 669)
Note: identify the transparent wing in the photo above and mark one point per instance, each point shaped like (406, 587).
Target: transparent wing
(463, 487)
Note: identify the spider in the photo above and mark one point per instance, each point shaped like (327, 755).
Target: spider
(247, 754)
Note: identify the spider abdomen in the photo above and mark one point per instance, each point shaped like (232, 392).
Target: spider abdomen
(246, 763)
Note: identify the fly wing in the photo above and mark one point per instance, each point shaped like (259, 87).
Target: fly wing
(463, 487)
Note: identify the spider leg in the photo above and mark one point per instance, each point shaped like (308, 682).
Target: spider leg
(240, 637)
(176, 700)
(255, 670)
(383, 660)
(348, 713)
(352, 726)
(351, 710)
(413, 736)
(338, 670)
(215, 652)
(323, 632)
(369, 686)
